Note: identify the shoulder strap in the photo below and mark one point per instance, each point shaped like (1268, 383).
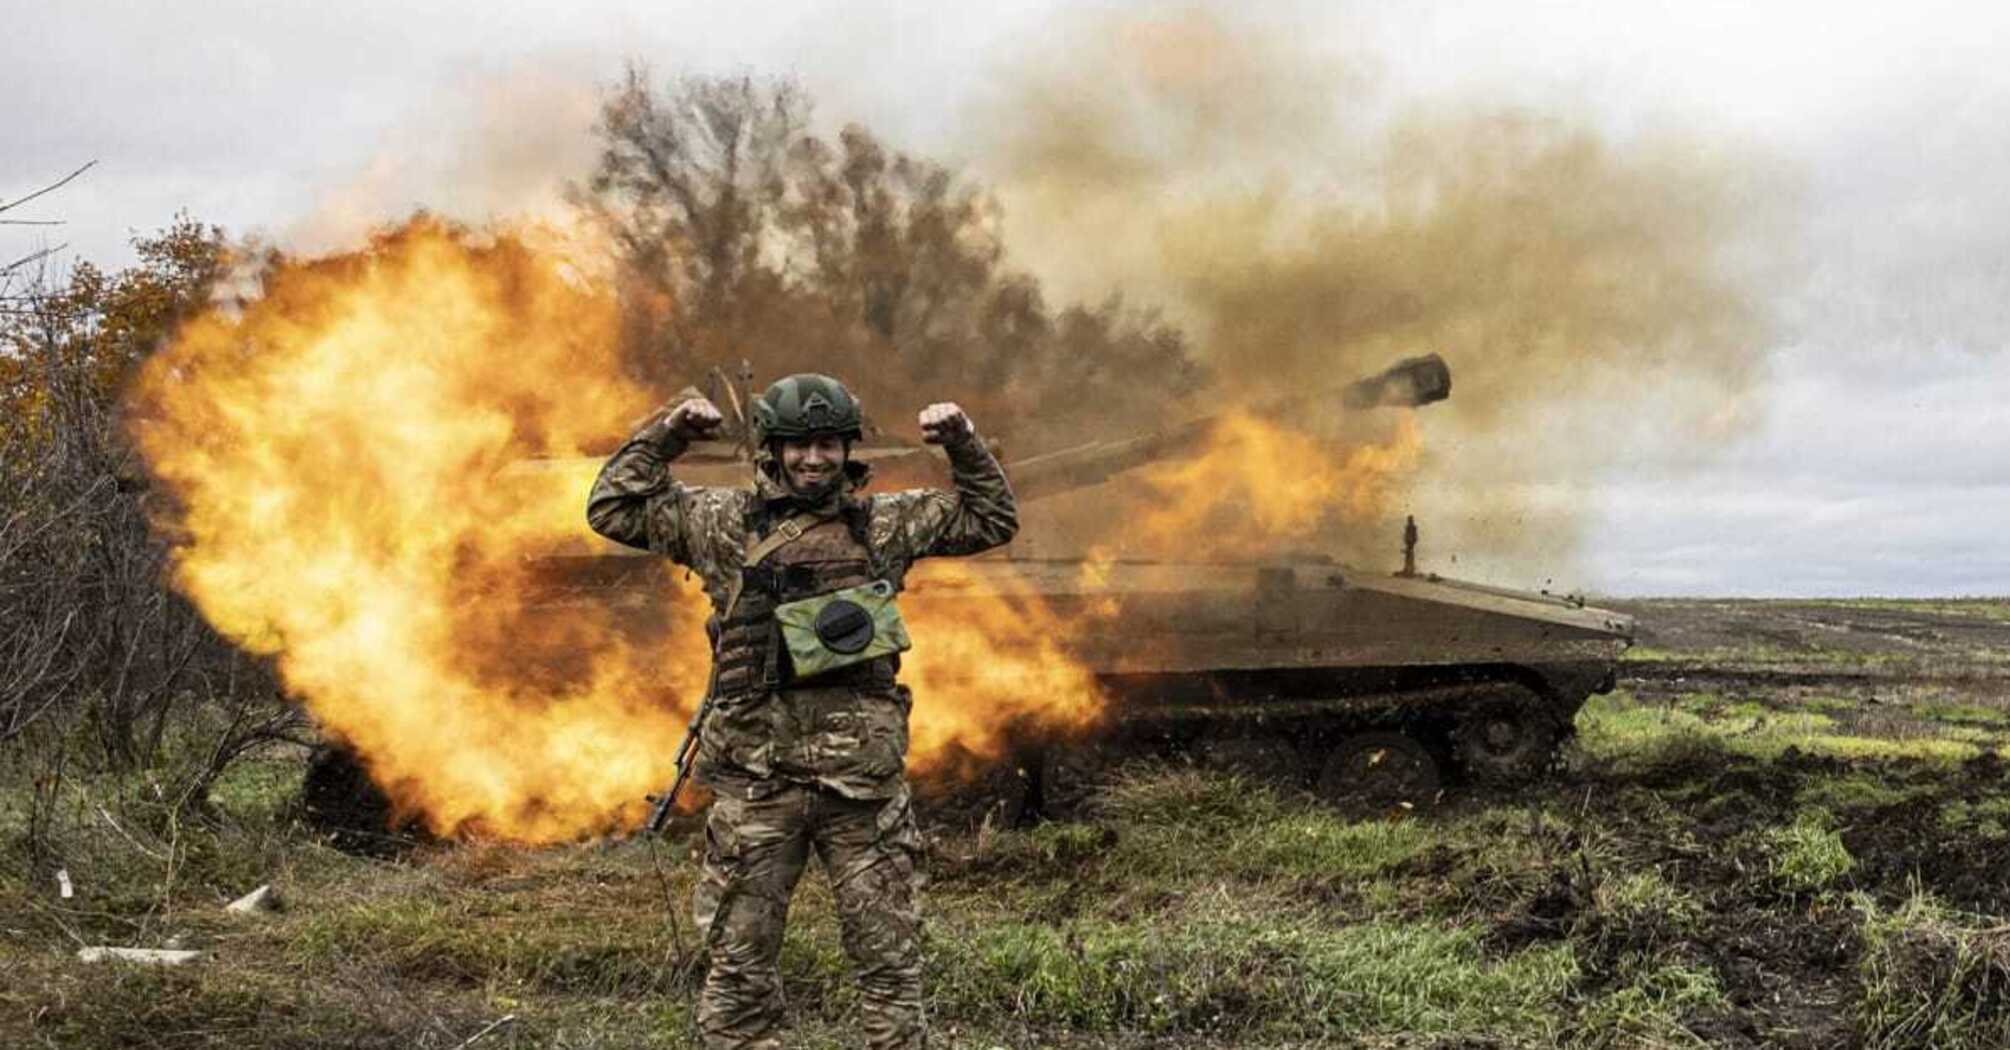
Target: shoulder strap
(788, 531)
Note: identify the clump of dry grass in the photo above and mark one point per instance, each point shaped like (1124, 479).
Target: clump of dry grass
(1932, 978)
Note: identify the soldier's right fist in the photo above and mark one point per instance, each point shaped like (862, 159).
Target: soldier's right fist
(694, 419)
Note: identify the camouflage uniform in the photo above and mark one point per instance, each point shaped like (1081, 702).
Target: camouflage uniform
(800, 766)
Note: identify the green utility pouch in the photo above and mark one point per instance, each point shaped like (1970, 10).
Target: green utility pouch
(842, 628)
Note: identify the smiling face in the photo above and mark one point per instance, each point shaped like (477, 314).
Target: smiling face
(810, 466)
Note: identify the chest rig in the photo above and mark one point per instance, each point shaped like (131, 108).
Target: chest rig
(788, 561)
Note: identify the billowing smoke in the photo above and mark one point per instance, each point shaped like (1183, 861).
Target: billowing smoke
(1304, 227)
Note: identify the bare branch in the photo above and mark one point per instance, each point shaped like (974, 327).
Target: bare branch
(51, 188)
(32, 258)
(114, 822)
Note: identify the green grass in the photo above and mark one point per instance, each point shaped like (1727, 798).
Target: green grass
(1989, 816)
(1990, 609)
(1619, 730)
(1858, 790)
(1319, 844)
(1647, 654)
(1647, 894)
(1275, 979)
(1616, 729)
(1651, 1008)
(1202, 909)
(259, 788)
(1808, 855)
(587, 948)
(1188, 799)
(1931, 749)
(1975, 714)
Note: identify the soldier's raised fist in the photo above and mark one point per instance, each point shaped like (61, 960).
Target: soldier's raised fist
(695, 418)
(943, 423)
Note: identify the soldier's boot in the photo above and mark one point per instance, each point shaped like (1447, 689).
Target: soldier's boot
(870, 850)
(754, 853)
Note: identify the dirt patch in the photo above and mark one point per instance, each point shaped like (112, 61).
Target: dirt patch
(1911, 842)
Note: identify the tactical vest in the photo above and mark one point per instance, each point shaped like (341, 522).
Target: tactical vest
(748, 655)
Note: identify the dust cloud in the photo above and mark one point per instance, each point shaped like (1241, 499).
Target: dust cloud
(1306, 227)
(496, 150)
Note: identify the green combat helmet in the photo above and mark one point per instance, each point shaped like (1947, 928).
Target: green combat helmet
(806, 405)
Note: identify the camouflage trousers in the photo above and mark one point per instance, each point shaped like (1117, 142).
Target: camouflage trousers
(754, 853)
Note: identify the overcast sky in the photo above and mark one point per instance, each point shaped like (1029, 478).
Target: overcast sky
(1882, 467)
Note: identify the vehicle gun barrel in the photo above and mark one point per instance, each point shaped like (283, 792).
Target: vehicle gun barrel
(1412, 382)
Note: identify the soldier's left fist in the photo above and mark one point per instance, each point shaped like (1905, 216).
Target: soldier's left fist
(944, 423)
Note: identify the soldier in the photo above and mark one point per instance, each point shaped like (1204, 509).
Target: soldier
(805, 747)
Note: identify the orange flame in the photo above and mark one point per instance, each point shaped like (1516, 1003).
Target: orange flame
(339, 451)
(989, 664)
(332, 448)
(1255, 487)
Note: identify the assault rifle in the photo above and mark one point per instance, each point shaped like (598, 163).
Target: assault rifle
(661, 805)
(687, 754)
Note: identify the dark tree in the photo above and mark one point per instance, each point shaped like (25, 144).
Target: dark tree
(742, 233)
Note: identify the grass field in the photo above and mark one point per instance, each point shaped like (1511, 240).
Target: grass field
(1788, 827)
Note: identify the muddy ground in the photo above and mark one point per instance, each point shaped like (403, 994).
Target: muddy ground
(1886, 717)
(1789, 774)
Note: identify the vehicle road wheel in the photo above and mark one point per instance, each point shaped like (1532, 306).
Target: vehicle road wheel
(1505, 741)
(1379, 772)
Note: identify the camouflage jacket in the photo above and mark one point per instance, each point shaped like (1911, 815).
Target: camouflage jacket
(849, 739)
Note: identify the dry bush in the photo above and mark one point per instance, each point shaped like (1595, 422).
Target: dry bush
(103, 668)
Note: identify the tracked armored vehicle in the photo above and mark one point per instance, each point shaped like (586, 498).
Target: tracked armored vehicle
(1367, 686)
(1374, 688)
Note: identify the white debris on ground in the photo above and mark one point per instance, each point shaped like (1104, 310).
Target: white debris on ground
(262, 899)
(148, 956)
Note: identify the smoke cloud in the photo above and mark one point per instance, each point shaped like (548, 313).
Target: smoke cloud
(1588, 290)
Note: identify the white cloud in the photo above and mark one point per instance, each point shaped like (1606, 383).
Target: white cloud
(1851, 488)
